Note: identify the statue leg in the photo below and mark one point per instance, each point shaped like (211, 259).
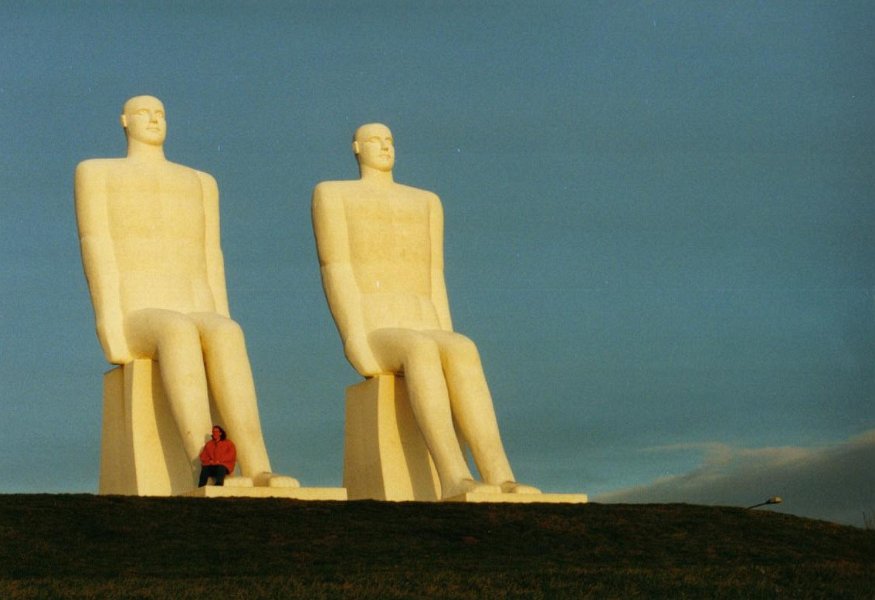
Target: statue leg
(418, 357)
(173, 340)
(233, 387)
(474, 411)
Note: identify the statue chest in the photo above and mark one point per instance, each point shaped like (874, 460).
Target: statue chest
(156, 205)
(387, 229)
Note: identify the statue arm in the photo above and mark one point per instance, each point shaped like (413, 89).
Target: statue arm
(438, 282)
(338, 280)
(99, 262)
(212, 244)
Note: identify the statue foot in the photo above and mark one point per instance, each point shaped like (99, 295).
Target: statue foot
(512, 487)
(469, 486)
(267, 479)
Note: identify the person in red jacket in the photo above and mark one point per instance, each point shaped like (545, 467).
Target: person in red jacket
(218, 458)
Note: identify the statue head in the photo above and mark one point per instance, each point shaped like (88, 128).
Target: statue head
(143, 120)
(374, 147)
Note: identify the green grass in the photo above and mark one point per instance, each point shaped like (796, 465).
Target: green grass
(81, 546)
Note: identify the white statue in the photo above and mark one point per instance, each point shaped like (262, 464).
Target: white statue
(149, 233)
(380, 248)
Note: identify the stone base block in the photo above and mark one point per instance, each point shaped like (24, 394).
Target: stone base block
(303, 493)
(141, 450)
(385, 457)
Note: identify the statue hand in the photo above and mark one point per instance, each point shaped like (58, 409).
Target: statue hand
(358, 353)
(115, 346)
(118, 356)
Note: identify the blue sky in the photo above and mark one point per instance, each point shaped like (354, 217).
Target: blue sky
(659, 225)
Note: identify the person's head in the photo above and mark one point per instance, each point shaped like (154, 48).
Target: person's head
(143, 120)
(374, 147)
(218, 433)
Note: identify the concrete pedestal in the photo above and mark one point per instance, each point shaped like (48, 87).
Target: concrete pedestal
(141, 451)
(385, 457)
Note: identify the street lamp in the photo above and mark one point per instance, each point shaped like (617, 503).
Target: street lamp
(772, 500)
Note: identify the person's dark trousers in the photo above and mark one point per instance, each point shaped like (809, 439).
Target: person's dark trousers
(217, 472)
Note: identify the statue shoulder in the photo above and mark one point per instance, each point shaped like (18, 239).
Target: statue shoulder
(207, 180)
(418, 192)
(91, 178)
(94, 167)
(335, 188)
(424, 196)
(331, 193)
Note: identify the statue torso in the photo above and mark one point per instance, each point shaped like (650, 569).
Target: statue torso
(390, 248)
(156, 220)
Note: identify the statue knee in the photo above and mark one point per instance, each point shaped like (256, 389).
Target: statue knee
(222, 333)
(179, 332)
(463, 348)
(423, 353)
(227, 329)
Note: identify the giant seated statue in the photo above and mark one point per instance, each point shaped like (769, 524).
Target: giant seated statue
(380, 247)
(149, 234)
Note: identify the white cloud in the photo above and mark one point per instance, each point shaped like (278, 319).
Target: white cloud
(835, 482)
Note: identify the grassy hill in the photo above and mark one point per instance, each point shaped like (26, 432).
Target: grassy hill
(82, 546)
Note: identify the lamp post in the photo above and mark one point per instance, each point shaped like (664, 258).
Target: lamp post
(772, 500)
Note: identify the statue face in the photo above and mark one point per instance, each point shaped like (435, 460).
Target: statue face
(143, 120)
(375, 147)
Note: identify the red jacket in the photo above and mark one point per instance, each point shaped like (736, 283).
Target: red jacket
(222, 453)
